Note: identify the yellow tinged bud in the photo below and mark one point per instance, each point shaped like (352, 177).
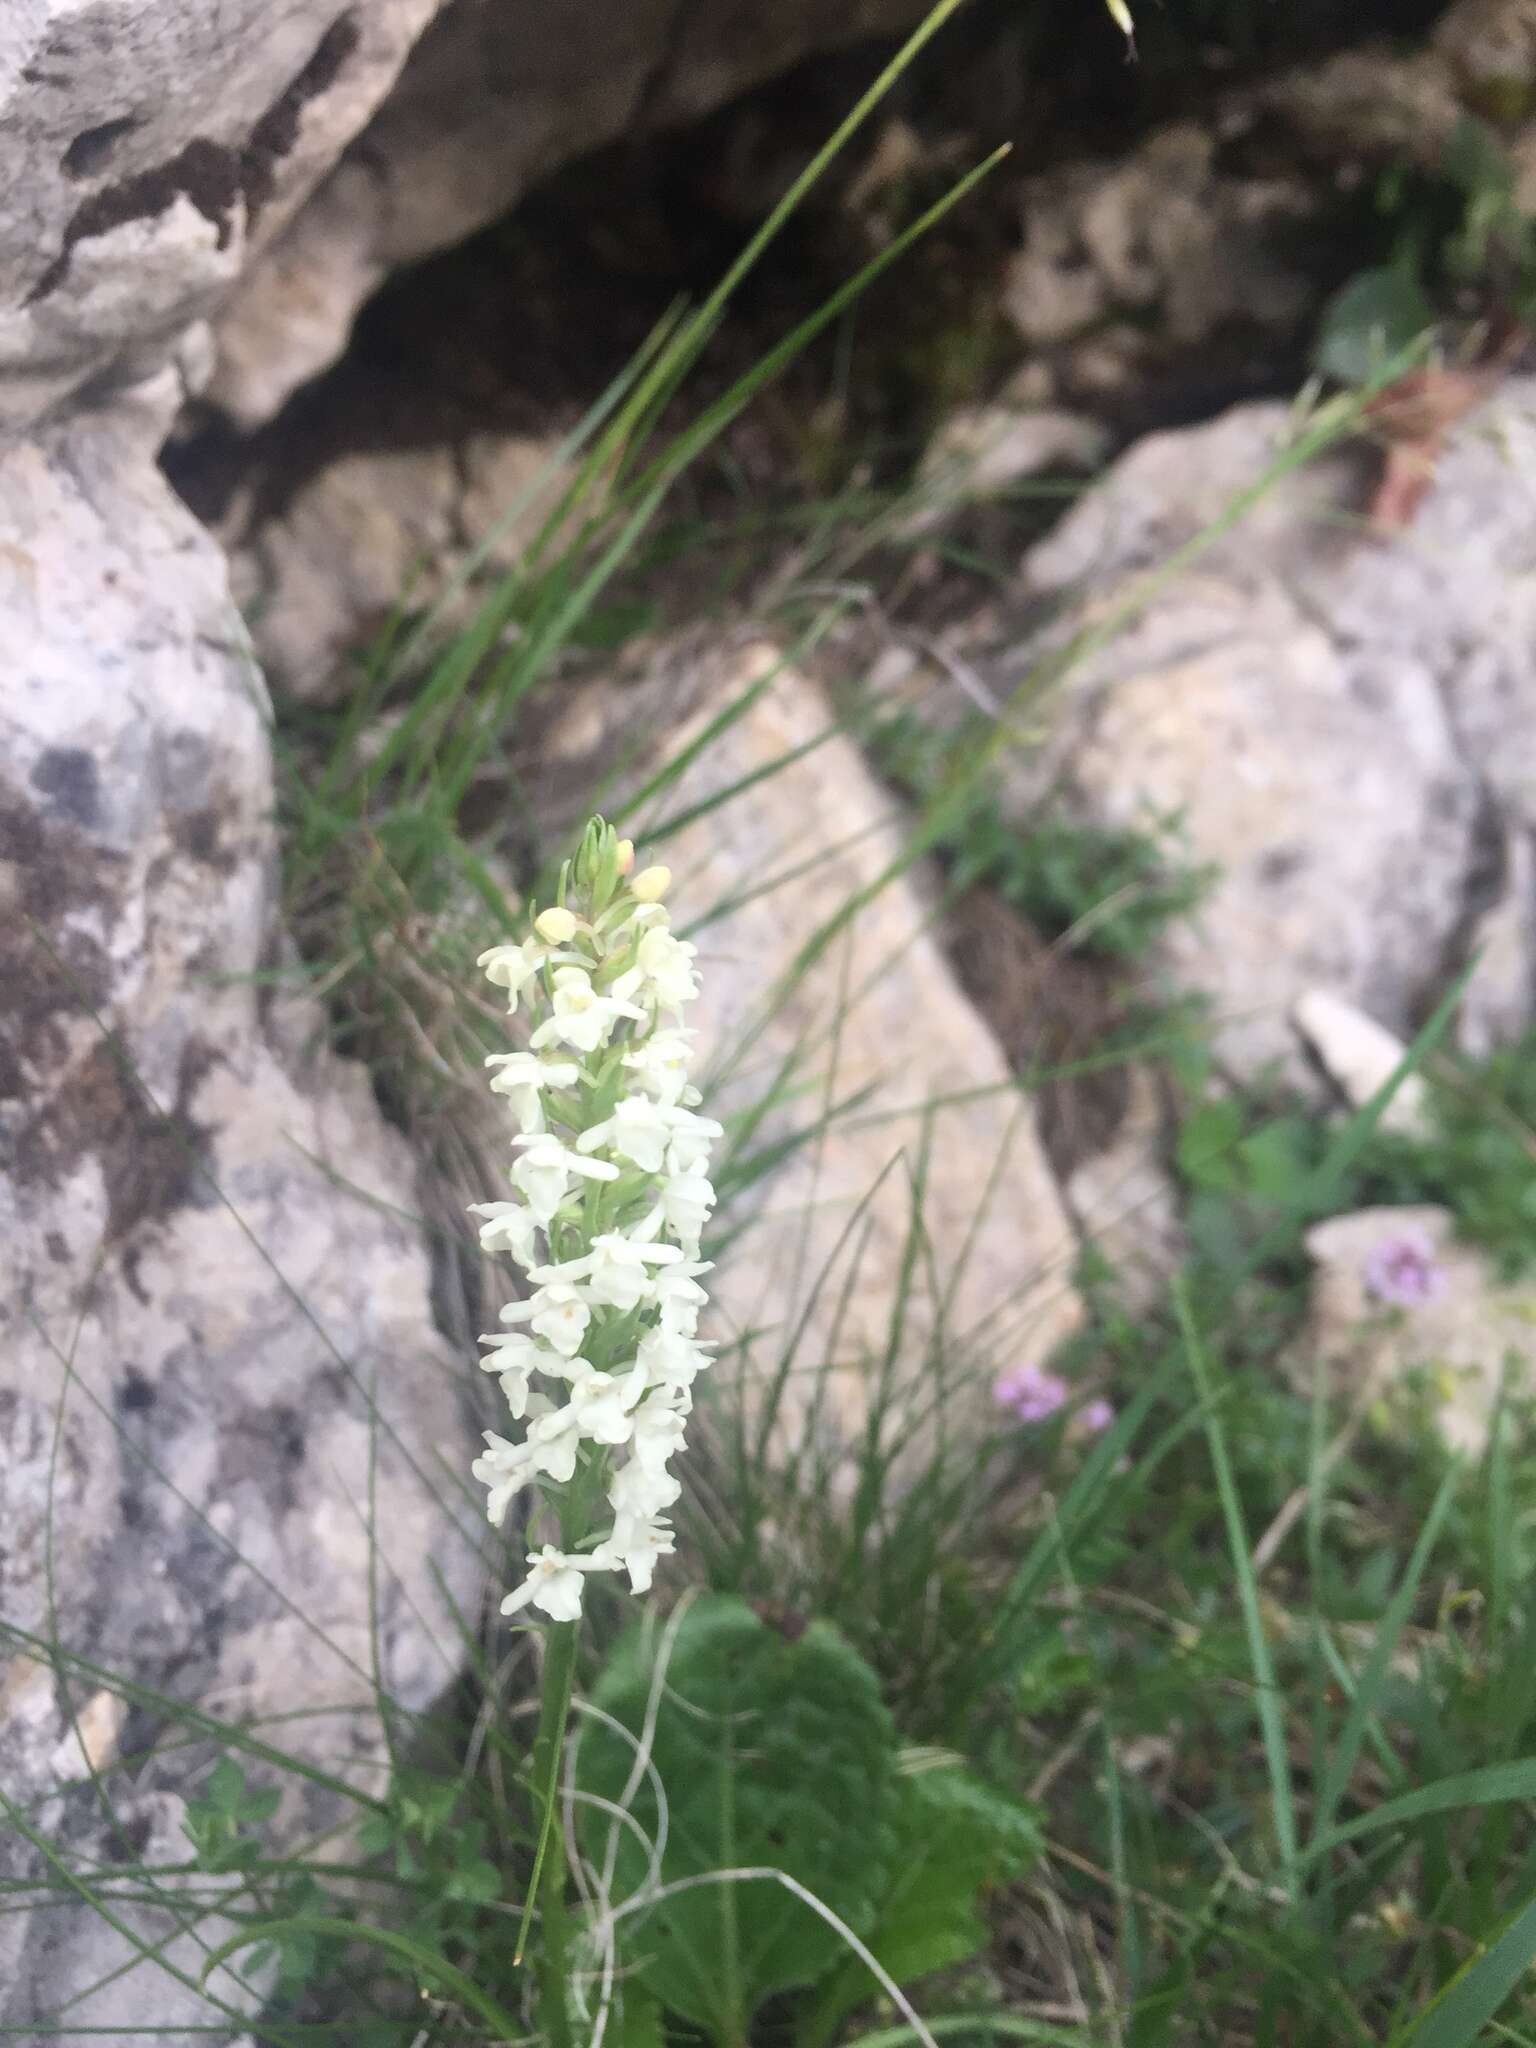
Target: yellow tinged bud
(651, 884)
(624, 855)
(555, 924)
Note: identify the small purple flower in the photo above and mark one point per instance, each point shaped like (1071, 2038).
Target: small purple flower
(1402, 1272)
(1029, 1394)
(1094, 1417)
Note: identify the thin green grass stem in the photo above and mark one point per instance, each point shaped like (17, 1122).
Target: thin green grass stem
(547, 1884)
(1266, 1690)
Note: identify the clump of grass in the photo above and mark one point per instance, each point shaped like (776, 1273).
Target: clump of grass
(394, 876)
(1268, 1677)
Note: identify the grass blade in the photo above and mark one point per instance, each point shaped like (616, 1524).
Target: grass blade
(434, 1968)
(1488, 1786)
(1076, 1507)
(1368, 1692)
(1271, 1724)
(1464, 2008)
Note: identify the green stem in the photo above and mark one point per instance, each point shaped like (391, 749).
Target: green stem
(548, 1883)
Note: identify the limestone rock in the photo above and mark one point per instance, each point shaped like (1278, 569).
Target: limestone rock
(1367, 108)
(1340, 722)
(1500, 997)
(1468, 1331)
(321, 580)
(982, 450)
(856, 1019)
(1161, 235)
(146, 149)
(1360, 1058)
(1126, 1206)
(213, 1313)
(498, 93)
(1194, 259)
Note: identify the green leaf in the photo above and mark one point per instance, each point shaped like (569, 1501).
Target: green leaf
(956, 1838)
(262, 1804)
(635, 2021)
(225, 1787)
(1476, 162)
(1488, 1786)
(376, 1834)
(476, 1881)
(1374, 317)
(1275, 1159)
(1003, 2026)
(1458, 2016)
(765, 1746)
(214, 1820)
(1207, 1145)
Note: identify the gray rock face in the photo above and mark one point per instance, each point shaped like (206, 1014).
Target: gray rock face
(1344, 723)
(206, 1336)
(146, 148)
(325, 576)
(1161, 233)
(497, 94)
(150, 149)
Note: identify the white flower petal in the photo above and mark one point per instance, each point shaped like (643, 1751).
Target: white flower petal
(652, 1151)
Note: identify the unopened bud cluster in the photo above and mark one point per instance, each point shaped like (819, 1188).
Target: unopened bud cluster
(611, 1196)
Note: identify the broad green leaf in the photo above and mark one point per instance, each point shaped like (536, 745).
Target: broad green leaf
(1207, 1144)
(1370, 320)
(635, 2021)
(767, 1746)
(955, 1839)
(1476, 162)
